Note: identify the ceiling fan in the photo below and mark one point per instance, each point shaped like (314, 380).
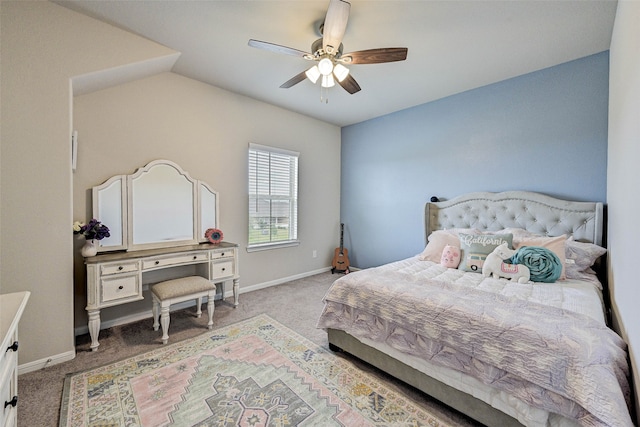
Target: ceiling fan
(327, 52)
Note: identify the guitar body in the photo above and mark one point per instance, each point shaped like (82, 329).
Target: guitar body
(340, 262)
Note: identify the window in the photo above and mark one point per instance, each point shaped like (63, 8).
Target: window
(273, 197)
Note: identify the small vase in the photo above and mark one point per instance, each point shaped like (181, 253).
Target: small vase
(90, 248)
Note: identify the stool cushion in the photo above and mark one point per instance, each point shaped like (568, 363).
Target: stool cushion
(181, 287)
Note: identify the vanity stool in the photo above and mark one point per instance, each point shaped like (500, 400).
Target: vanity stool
(178, 290)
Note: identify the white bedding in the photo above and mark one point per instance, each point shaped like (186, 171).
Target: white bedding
(577, 296)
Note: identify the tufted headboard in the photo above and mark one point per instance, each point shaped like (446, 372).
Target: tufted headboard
(535, 212)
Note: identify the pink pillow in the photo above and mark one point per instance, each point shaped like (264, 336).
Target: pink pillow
(450, 256)
(554, 244)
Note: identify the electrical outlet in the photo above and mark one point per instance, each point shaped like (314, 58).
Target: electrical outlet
(315, 253)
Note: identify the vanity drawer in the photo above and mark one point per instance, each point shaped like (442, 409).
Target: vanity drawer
(120, 287)
(221, 270)
(116, 268)
(159, 262)
(229, 253)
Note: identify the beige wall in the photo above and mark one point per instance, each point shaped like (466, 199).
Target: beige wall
(623, 176)
(206, 130)
(43, 47)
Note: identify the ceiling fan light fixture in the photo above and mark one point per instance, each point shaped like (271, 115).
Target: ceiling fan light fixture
(341, 72)
(313, 73)
(328, 81)
(325, 66)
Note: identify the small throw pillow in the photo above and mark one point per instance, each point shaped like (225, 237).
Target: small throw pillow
(544, 265)
(554, 244)
(450, 257)
(475, 248)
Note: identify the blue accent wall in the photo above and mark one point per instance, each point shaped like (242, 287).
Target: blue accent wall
(545, 131)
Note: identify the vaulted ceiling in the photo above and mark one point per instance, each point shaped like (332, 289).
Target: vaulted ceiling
(453, 46)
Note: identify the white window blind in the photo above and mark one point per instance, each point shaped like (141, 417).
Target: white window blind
(273, 197)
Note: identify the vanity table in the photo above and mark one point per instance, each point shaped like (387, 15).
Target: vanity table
(158, 217)
(118, 278)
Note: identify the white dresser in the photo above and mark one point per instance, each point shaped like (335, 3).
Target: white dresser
(11, 308)
(118, 278)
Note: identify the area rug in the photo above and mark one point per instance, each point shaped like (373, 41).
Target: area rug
(253, 373)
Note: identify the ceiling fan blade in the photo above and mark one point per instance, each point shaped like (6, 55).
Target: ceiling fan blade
(375, 56)
(279, 49)
(335, 24)
(350, 84)
(294, 80)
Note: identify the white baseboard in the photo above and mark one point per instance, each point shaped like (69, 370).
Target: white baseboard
(283, 280)
(43, 363)
(84, 329)
(70, 355)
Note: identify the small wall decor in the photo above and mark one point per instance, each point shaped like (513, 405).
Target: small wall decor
(214, 235)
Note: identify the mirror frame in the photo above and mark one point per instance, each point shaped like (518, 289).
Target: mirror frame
(203, 196)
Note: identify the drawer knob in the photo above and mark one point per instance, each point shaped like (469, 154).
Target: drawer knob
(121, 287)
(195, 257)
(13, 402)
(120, 268)
(13, 347)
(157, 262)
(222, 254)
(223, 269)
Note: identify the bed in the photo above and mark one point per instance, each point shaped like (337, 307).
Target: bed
(499, 351)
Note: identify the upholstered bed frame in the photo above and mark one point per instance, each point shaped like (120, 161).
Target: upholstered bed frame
(534, 212)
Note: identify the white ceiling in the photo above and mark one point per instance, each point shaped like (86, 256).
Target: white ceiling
(453, 46)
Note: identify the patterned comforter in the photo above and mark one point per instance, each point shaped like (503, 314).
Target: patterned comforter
(543, 343)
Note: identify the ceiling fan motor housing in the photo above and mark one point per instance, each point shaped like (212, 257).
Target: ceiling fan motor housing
(318, 50)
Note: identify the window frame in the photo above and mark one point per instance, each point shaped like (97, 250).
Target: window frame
(254, 197)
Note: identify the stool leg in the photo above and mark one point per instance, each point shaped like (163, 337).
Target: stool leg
(236, 292)
(211, 307)
(155, 309)
(164, 321)
(199, 307)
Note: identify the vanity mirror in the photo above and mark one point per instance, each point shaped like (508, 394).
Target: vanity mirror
(158, 206)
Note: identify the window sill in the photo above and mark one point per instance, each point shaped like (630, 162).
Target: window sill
(268, 246)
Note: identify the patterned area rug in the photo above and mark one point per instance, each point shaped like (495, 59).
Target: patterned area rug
(254, 373)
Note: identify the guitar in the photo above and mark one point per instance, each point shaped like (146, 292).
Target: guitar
(340, 261)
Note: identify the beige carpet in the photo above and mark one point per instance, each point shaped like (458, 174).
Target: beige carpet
(296, 304)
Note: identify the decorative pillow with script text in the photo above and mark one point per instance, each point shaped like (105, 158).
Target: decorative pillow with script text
(474, 249)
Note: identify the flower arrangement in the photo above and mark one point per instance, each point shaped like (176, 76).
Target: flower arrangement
(93, 230)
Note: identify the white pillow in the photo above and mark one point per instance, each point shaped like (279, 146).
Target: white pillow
(582, 255)
(438, 239)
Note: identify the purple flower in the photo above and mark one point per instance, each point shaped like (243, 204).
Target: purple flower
(92, 230)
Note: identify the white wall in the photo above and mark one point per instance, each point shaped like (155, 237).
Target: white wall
(623, 192)
(206, 130)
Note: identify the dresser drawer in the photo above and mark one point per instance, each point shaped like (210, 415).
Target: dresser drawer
(8, 390)
(159, 262)
(117, 268)
(229, 253)
(120, 288)
(221, 270)
(8, 357)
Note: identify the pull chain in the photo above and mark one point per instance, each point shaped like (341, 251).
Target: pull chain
(323, 91)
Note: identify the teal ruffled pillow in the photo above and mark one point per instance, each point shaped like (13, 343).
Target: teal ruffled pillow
(543, 264)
